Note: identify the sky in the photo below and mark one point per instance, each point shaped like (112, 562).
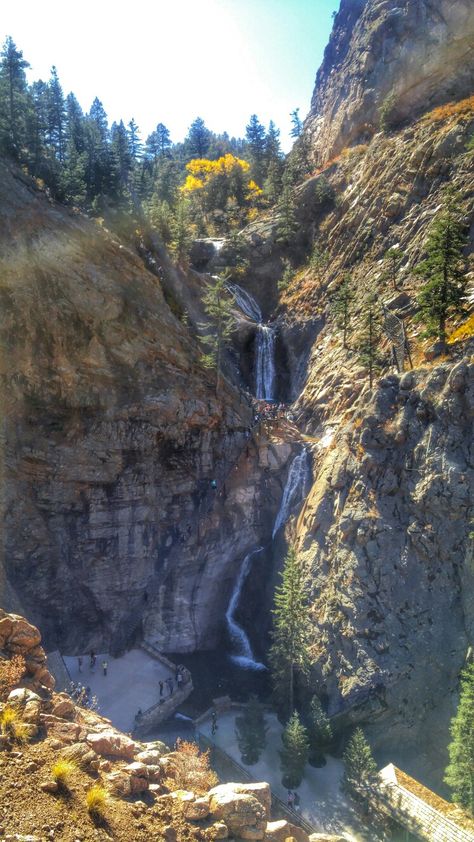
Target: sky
(173, 61)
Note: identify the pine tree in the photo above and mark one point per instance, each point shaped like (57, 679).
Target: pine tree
(273, 153)
(56, 115)
(13, 98)
(295, 751)
(319, 261)
(360, 769)
(296, 124)
(319, 732)
(134, 143)
(286, 224)
(272, 183)
(120, 147)
(289, 650)
(370, 339)
(181, 232)
(256, 140)
(37, 127)
(341, 308)
(443, 293)
(460, 772)
(251, 731)
(394, 257)
(198, 139)
(218, 305)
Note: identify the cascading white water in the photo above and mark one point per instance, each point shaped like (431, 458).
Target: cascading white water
(264, 343)
(242, 654)
(295, 488)
(245, 302)
(265, 363)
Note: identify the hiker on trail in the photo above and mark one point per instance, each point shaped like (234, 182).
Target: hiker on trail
(138, 715)
(296, 800)
(179, 678)
(213, 484)
(214, 725)
(291, 799)
(92, 660)
(169, 682)
(104, 667)
(79, 664)
(161, 685)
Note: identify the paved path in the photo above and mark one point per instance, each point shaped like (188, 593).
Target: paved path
(131, 683)
(321, 802)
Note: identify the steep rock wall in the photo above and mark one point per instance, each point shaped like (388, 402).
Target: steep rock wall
(112, 435)
(419, 51)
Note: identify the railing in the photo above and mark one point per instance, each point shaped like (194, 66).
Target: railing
(224, 760)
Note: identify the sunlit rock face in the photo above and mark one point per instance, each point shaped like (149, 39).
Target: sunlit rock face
(417, 51)
(112, 435)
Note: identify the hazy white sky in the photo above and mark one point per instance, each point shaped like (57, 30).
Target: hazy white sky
(170, 62)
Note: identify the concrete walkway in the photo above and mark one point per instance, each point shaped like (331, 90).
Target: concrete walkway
(131, 683)
(321, 802)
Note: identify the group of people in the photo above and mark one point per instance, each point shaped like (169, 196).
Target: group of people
(270, 411)
(180, 678)
(82, 695)
(92, 663)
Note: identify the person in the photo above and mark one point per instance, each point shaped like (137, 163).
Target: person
(290, 799)
(104, 667)
(92, 660)
(214, 725)
(138, 715)
(169, 682)
(213, 484)
(79, 664)
(296, 800)
(161, 685)
(179, 679)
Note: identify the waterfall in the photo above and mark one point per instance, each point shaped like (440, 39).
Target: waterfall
(245, 302)
(265, 362)
(295, 488)
(264, 343)
(243, 655)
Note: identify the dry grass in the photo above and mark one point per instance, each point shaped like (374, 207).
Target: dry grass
(464, 331)
(62, 770)
(12, 725)
(97, 799)
(11, 673)
(452, 109)
(191, 769)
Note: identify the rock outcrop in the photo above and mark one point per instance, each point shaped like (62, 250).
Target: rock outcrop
(409, 54)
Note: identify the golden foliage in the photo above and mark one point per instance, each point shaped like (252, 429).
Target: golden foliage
(191, 769)
(464, 331)
(11, 672)
(203, 171)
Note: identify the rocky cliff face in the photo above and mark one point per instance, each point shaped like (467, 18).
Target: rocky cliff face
(419, 52)
(113, 433)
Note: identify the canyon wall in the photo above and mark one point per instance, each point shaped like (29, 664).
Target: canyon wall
(418, 52)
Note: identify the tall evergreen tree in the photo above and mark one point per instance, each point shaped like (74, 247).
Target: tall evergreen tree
(181, 231)
(256, 140)
(289, 650)
(286, 224)
(134, 143)
(56, 115)
(198, 139)
(460, 772)
(370, 338)
(75, 135)
(250, 731)
(319, 732)
(37, 127)
(341, 308)
(360, 769)
(296, 124)
(295, 752)
(119, 142)
(442, 295)
(13, 98)
(393, 257)
(218, 305)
